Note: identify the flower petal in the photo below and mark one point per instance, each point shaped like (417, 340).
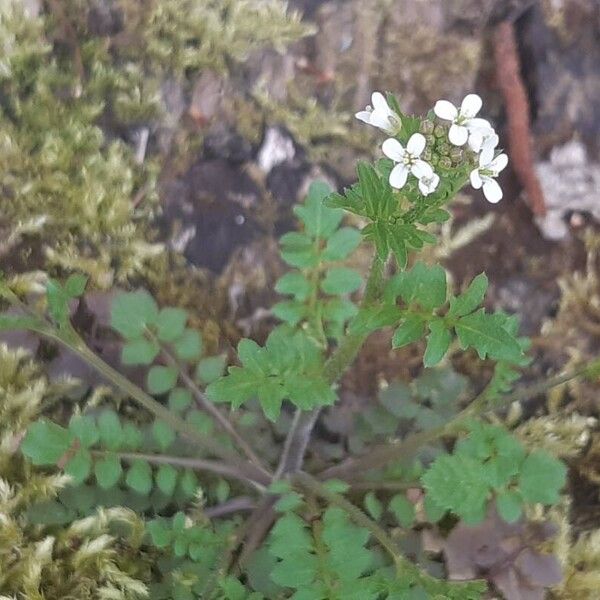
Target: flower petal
(445, 110)
(382, 121)
(470, 106)
(380, 103)
(478, 123)
(487, 155)
(475, 140)
(492, 191)
(475, 178)
(499, 163)
(428, 185)
(364, 116)
(393, 149)
(416, 144)
(458, 135)
(398, 176)
(420, 169)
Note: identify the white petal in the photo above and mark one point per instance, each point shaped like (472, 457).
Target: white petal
(421, 169)
(398, 176)
(382, 121)
(470, 106)
(499, 163)
(458, 135)
(379, 102)
(364, 116)
(475, 140)
(393, 149)
(428, 185)
(486, 156)
(492, 191)
(416, 144)
(476, 181)
(445, 110)
(477, 123)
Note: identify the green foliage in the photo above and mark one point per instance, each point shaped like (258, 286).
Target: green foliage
(490, 463)
(289, 366)
(319, 288)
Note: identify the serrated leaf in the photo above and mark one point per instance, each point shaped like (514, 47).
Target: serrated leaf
(163, 434)
(411, 329)
(58, 302)
(342, 243)
(80, 466)
(111, 432)
(139, 477)
(438, 342)
(403, 510)
(509, 505)
(46, 443)
(161, 379)
(85, 430)
(341, 280)
(108, 471)
(471, 299)
(482, 332)
(423, 284)
(375, 317)
(166, 479)
(132, 312)
(139, 352)
(319, 220)
(542, 477)
(189, 345)
(170, 323)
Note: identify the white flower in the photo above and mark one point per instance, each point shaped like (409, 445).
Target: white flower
(380, 115)
(489, 167)
(408, 160)
(428, 183)
(481, 132)
(464, 121)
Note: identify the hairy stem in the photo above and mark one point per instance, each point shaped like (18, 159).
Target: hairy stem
(208, 407)
(379, 456)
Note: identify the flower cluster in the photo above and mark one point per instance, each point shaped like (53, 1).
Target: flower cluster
(466, 130)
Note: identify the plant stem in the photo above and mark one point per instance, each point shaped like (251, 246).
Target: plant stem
(298, 437)
(195, 464)
(379, 456)
(75, 344)
(208, 407)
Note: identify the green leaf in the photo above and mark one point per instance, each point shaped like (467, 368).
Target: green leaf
(75, 285)
(163, 434)
(84, 429)
(294, 284)
(46, 443)
(166, 479)
(139, 352)
(132, 437)
(14, 322)
(342, 243)
(161, 379)
(189, 483)
(189, 345)
(132, 312)
(509, 505)
(375, 317)
(484, 333)
(319, 220)
(170, 324)
(58, 302)
(422, 284)
(270, 396)
(211, 368)
(471, 299)
(373, 506)
(438, 342)
(403, 510)
(108, 471)
(139, 477)
(411, 330)
(179, 399)
(298, 250)
(291, 312)
(542, 477)
(160, 532)
(341, 280)
(80, 466)
(289, 501)
(111, 432)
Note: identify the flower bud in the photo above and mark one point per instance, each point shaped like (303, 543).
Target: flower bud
(427, 127)
(456, 154)
(439, 131)
(445, 162)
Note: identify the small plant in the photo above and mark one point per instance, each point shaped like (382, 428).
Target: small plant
(188, 463)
